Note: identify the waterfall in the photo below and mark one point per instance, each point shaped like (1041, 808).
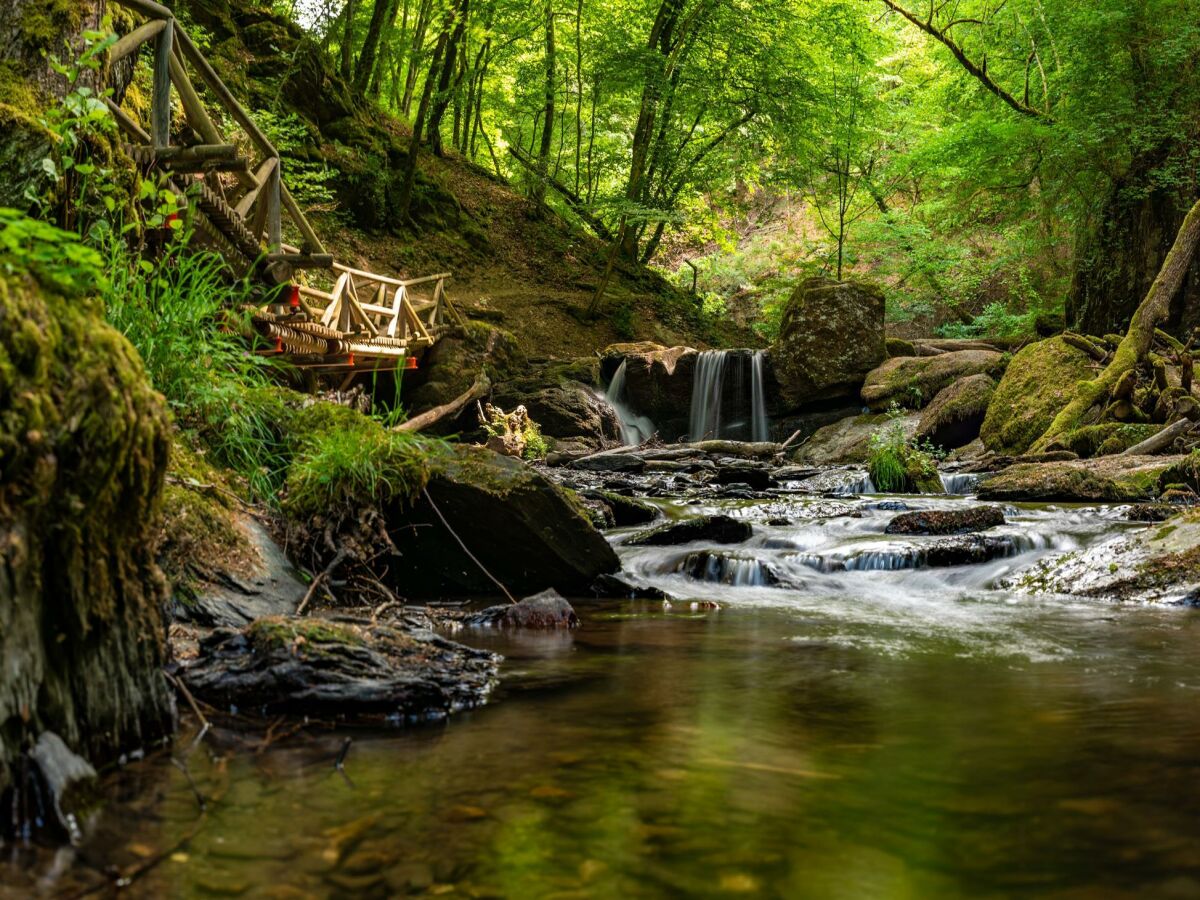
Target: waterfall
(760, 425)
(634, 428)
(707, 385)
(721, 405)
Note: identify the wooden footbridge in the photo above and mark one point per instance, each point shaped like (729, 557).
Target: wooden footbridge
(239, 205)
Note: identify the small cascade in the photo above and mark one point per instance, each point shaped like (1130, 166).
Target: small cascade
(863, 485)
(959, 483)
(723, 404)
(760, 425)
(634, 428)
(736, 571)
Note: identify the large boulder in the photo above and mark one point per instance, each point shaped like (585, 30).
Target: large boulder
(830, 337)
(848, 441)
(524, 530)
(453, 364)
(658, 382)
(956, 414)
(570, 411)
(1103, 479)
(83, 452)
(913, 381)
(1036, 386)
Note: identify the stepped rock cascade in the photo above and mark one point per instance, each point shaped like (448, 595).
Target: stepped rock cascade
(634, 428)
(721, 405)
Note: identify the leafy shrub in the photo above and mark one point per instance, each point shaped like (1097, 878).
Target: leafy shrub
(56, 258)
(897, 464)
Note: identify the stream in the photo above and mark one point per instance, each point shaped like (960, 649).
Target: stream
(851, 722)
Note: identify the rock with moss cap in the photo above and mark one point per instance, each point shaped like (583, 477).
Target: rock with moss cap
(1036, 386)
(956, 414)
(848, 440)
(525, 531)
(831, 335)
(1104, 479)
(83, 450)
(342, 670)
(913, 381)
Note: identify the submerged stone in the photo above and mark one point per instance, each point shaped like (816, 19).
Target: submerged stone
(946, 521)
(717, 529)
(545, 610)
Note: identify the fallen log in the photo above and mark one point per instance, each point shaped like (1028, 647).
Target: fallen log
(1160, 440)
(476, 391)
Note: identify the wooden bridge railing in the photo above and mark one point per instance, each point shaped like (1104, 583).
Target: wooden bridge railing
(365, 317)
(237, 219)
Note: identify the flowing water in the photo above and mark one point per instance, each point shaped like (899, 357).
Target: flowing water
(722, 407)
(832, 731)
(634, 428)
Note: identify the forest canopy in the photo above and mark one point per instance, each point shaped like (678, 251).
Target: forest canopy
(989, 162)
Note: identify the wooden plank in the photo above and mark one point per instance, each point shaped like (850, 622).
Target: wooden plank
(260, 178)
(147, 8)
(274, 231)
(337, 297)
(397, 307)
(126, 122)
(131, 42)
(209, 76)
(160, 102)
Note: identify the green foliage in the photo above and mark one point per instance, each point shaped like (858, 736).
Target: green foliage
(343, 462)
(309, 181)
(79, 166)
(178, 311)
(54, 257)
(895, 463)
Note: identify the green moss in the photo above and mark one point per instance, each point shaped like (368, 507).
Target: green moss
(301, 635)
(1105, 439)
(898, 347)
(1037, 384)
(343, 461)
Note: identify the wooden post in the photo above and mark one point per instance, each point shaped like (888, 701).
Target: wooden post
(160, 103)
(274, 237)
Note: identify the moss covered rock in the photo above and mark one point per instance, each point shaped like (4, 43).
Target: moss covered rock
(1104, 439)
(956, 414)
(525, 531)
(452, 366)
(847, 441)
(1104, 479)
(1036, 386)
(830, 337)
(913, 381)
(900, 347)
(83, 449)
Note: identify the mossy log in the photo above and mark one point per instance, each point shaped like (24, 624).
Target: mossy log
(1136, 344)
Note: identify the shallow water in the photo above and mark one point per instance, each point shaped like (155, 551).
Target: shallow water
(863, 733)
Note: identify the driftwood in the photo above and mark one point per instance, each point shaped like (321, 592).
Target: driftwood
(479, 389)
(1161, 440)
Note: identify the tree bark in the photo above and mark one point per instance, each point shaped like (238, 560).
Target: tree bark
(347, 48)
(543, 158)
(366, 58)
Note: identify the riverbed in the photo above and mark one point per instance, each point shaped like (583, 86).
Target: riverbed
(875, 730)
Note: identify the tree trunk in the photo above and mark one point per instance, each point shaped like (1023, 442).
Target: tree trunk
(441, 100)
(347, 48)
(404, 200)
(543, 158)
(1118, 262)
(366, 59)
(1137, 341)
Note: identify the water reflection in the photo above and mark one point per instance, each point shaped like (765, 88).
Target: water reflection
(654, 754)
